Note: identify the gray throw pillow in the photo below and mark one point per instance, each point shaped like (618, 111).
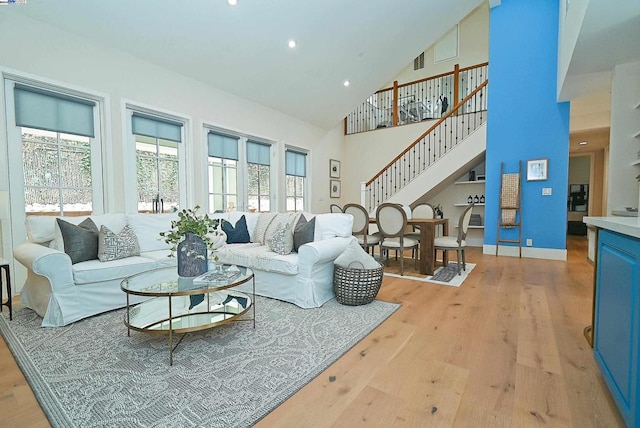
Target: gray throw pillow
(113, 246)
(303, 232)
(81, 241)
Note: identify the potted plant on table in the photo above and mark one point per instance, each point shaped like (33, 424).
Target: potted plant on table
(190, 237)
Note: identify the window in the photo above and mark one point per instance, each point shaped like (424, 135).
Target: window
(418, 63)
(295, 165)
(157, 162)
(259, 176)
(222, 172)
(61, 157)
(57, 172)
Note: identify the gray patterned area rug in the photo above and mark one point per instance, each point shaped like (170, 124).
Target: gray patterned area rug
(91, 374)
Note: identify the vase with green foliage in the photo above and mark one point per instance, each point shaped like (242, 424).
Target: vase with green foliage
(190, 236)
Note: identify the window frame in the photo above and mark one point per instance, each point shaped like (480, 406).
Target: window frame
(242, 190)
(306, 179)
(130, 169)
(15, 170)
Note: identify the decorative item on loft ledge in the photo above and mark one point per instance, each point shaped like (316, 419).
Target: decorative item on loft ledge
(190, 236)
(334, 168)
(537, 169)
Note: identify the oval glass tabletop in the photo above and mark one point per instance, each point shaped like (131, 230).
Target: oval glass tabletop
(166, 281)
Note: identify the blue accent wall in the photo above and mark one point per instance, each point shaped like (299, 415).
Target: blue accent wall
(524, 119)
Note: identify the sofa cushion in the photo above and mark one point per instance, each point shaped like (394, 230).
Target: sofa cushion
(147, 228)
(237, 234)
(264, 220)
(161, 257)
(80, 241)
(96, 271)
(303, 232)
(40, 228)
(112, 246)
(256, 256)
(333, 224)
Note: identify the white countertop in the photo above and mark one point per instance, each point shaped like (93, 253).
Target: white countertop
(626, 225)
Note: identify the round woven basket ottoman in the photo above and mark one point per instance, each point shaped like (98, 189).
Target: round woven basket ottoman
(356, 286)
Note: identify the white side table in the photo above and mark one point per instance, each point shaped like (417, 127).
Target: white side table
(4, 265)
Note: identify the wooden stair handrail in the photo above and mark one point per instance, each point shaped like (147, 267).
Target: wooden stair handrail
(436, 76)
(427, 132)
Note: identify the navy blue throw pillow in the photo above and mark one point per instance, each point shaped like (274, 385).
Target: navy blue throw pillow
(238, 234)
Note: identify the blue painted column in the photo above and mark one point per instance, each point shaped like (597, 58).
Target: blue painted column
(524, 119)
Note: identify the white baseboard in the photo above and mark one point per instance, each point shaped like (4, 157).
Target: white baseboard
(529, 252)
(474, 242)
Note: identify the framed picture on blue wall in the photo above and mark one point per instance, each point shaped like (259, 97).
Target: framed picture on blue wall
(537, 169)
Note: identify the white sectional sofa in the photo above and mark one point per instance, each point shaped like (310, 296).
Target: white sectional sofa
(62, 292)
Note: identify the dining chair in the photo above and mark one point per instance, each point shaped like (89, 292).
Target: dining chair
(335, 208)
(361, 226)
(455, 243)
(423, 210)
(392, 221)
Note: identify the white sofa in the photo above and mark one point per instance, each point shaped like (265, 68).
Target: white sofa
(62, 292)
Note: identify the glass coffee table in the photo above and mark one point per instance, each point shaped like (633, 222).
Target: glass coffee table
(179, 305)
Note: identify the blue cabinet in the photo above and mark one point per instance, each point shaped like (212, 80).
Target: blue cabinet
(617, 307)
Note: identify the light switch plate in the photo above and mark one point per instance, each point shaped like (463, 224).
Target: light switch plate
(546, 191)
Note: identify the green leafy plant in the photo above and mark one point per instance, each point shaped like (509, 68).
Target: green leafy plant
(189, 221)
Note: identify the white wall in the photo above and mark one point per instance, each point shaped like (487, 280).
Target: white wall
(54, 55)
(367, 153)
(623, 147)
(570, 22)
(473, 48)
(36, 51)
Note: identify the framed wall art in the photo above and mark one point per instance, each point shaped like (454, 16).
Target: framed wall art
(537, 169)
(334, 168)
(334, 188)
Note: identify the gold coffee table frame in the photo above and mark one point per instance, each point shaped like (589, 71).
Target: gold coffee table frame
(178, 306)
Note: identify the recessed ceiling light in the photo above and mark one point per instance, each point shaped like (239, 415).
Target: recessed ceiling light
(292, 43)
(583, 143)
(346, 83)
(232, 2)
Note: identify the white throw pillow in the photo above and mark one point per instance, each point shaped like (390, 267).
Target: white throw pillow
(354, 257)
(281, 240)
(264, 220)
(115, 246)
(282, 218)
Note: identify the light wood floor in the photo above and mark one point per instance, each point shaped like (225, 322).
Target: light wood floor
(506, 349)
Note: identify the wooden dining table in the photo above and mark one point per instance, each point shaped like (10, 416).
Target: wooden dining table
(427, 228)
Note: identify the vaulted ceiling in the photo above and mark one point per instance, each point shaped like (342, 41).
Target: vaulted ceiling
(243, 49)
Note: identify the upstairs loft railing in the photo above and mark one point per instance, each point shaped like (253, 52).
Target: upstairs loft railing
(464, 118)
(416, 101)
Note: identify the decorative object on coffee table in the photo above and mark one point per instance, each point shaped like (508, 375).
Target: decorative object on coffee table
(192, 256)
(190, 236)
